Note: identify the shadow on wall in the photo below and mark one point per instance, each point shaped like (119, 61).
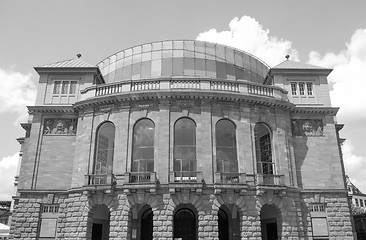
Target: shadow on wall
(301, 150)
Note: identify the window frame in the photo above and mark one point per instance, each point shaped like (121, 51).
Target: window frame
(58, 95)
(302, 89)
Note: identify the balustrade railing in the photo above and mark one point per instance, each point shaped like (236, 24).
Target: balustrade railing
(231, 178)
(185, 84)
(270, 179)
(260, 90)
(242, 86)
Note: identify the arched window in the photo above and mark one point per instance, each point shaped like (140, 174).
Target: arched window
(185, 146)
(103, 163)
(263, 149)
(226, 156)
(143, 146)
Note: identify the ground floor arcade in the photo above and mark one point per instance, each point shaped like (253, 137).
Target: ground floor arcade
(183, 214)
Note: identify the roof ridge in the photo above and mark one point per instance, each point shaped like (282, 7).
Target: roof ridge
(291, 64)
(69, 63)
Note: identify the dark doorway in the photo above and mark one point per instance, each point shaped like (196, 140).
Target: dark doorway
(223, 225)
(147, 225)
(97, 231)
(270, 218)
(100, 226)
(185, 225)
(271, 231)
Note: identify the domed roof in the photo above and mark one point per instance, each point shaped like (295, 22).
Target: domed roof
(182, 58)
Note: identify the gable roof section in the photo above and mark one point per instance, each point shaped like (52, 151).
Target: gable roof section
(289, 66)
(71, 63)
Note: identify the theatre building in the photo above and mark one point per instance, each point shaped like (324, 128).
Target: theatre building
(181, 140)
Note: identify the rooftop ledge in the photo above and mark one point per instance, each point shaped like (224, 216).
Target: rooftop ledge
(202, 87)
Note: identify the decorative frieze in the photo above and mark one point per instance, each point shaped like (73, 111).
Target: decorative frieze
(307, 127)
(61, 126)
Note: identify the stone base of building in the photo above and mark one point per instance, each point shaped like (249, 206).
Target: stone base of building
(179, 213)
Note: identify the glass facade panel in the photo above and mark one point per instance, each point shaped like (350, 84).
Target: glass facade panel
(126, 72)
(199, 59)
(156, 68)
(155, 55)
(147, 47)
(168, 45)
(221, 70)
(188, 66)
(199, 65)
(136, 71)
(167, 67)
(263, 149)
(146, 69)
(177, 66)
(178, 44)
(146, 56)
(211, 68)
(230, 71)
(229, 53)
(157, 46)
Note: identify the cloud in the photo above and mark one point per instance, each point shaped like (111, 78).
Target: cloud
(248, 35)
(8, 167)
(17, 90)
(347, 79)
(355, 166)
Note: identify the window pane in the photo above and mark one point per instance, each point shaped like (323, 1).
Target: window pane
(309, 87)
(229, 53)
(143, 145)
(56, 87)
(146, 56)
(200, 67)
(65, 87)
(126, 72)
(211, 68)
(293, 88)
(188, 66)
(238, 58)
(302, 88)
(104, 149)
(72, 87)
(230, 71)
(185, 142)
(136, 71)
(226, 152)
(263, 149)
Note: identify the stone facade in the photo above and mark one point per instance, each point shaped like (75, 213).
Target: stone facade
(282, 178)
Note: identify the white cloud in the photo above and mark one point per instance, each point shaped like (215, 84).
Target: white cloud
(248, 35)
(355, 166)
(348, 79)
(16, 92)
(8, 167)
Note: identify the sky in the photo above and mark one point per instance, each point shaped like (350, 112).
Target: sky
(327, 33)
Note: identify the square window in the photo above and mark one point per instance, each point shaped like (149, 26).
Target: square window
(294, 89)
(309, 87)
(302, 88)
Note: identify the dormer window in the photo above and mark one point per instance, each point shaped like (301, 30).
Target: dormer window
(64, 91)
(302, 88)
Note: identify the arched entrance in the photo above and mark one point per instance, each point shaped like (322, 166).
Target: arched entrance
(229, 223)
(100, 228)
(270, 222)
(146, 229)
(185, 224)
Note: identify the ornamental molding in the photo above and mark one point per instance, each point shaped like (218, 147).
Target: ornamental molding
(51, 109)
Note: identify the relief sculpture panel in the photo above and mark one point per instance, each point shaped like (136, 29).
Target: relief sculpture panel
(60, 126)
(307, 127)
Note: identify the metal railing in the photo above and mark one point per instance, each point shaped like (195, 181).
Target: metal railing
(186, 177)
(99, 179)
(141, 177)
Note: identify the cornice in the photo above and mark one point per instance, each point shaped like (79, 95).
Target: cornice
(183, 95)
(51, 109)
(332, 111)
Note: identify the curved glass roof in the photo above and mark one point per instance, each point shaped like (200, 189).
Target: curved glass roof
(182, 58)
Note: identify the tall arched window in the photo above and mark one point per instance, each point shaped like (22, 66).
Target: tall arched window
(185, 145)
(143, 146)
(103, 163)
(263, 149)
(226, 156)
